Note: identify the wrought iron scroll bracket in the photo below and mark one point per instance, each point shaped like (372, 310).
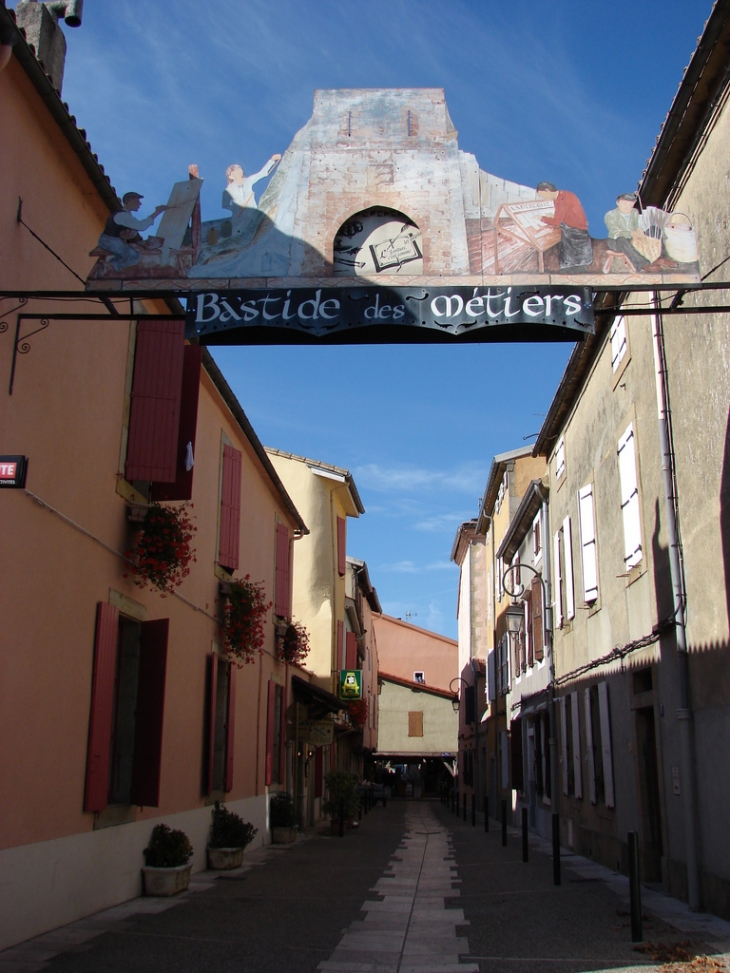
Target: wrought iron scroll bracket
(22, 345)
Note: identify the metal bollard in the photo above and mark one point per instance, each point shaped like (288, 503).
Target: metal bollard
(473, 810)
(556, 849)
(486, 813)
(504, 824)
(342, 818)
(637, 934)
(525, 846)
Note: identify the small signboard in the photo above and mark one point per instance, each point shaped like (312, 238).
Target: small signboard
(13, 470)
(350, 684)
(317, 733)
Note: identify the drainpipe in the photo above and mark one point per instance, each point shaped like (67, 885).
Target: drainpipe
(684, 713)
(548, 615)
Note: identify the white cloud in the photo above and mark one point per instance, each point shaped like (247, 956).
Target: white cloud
(440, 523)
(466, 478)
(410, 567)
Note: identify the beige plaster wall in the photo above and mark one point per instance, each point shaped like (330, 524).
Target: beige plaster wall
(440, 722)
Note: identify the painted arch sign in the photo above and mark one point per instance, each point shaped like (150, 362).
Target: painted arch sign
(374, 226)
(402, 314)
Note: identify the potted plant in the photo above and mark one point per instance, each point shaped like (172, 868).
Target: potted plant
(167, 864)
(242, 629)
(357, 710)
(162, 551)
(229, 835)
(282, 818)
(342, 797)
(293, 646)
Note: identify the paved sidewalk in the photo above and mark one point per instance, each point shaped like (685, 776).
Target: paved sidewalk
(522, 923)
(413, 889)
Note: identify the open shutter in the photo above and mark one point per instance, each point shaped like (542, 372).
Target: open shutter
(537, 632)
(564, 741)
(568, 578)
(588, 543)
(341, 659)
(630, 498)
(590, 757)
(577, 761)
(282, 603)
(212, 695)
(350, 651)
(145, 790)
(270, 718)
(607, 756)
(102, 708)
(415, 723)
(341, 546)
(517, 765)
(318, 771)
(230, 508)
(230, 729)
(182, 488)
(282, 738)
(154, 416)
(557, 581)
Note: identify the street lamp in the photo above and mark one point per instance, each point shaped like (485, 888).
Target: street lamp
(455, 698)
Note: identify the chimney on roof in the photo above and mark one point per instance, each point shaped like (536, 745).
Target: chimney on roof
(40, 23)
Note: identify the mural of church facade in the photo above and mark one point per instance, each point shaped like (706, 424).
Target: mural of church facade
(375, 187)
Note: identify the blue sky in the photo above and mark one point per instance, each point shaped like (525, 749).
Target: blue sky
(573, 92)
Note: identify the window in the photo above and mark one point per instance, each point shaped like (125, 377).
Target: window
(415, 724)
(351, 661)
(599, 756)
(182, 487)
(503, 650)
(500, 494)
(537, 538)
(588, 543)
(470, 704)
(618, 342)
(230, 515)
(127, 709)
(536, 626)
(276, 735)
(154, 411)
(341, 546)
(630, 502)
(420, 677)
(568, 569)
(559, 459)
(221, 724)
(282, 600)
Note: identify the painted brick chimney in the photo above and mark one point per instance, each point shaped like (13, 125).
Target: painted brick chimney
(42, 30)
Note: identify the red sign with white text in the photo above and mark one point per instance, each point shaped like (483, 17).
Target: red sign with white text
(12, 471)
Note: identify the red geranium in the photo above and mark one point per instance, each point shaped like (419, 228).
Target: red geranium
(294, 646)
(242, 630)
(162, 550)
(358, 712)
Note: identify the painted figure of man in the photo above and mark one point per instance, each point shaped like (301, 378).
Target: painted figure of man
(622, 224)
(122, 227)
(575, 251)
(239, 193)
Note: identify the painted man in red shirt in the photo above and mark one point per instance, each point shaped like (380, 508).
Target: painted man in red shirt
(575, 251)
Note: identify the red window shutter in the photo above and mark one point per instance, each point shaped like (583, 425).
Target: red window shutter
(230, 508)
(182, 488)
(212, 695)
(318, 771)
(282, 603)
(350, 651)
(145, 790)
(270, 713)
(340, 643)
(102, 708)
(282, 738)
(230, 728)
(341, 546)
(536, 602)
(154, 417)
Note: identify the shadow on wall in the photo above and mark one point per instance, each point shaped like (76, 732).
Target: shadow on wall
(725, 515)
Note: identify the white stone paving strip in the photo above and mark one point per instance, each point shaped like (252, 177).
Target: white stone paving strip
(410, 930)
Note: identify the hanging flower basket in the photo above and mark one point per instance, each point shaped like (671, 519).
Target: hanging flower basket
(358, 712)
(162, 553)
(294, 644)
(244, 613)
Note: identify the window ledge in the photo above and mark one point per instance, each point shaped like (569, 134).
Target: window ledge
(633, 574)
(115, 815)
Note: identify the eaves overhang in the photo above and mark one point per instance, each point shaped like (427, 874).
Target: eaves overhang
(499, 466)
(346, 484)
(534, 497)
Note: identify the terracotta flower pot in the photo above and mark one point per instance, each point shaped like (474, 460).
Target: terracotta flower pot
(166, 881)
(221, 859)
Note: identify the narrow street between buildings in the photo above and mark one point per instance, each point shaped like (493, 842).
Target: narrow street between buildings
(413, 889)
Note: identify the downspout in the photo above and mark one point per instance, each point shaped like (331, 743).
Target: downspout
(684, 713)
(548, 614)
